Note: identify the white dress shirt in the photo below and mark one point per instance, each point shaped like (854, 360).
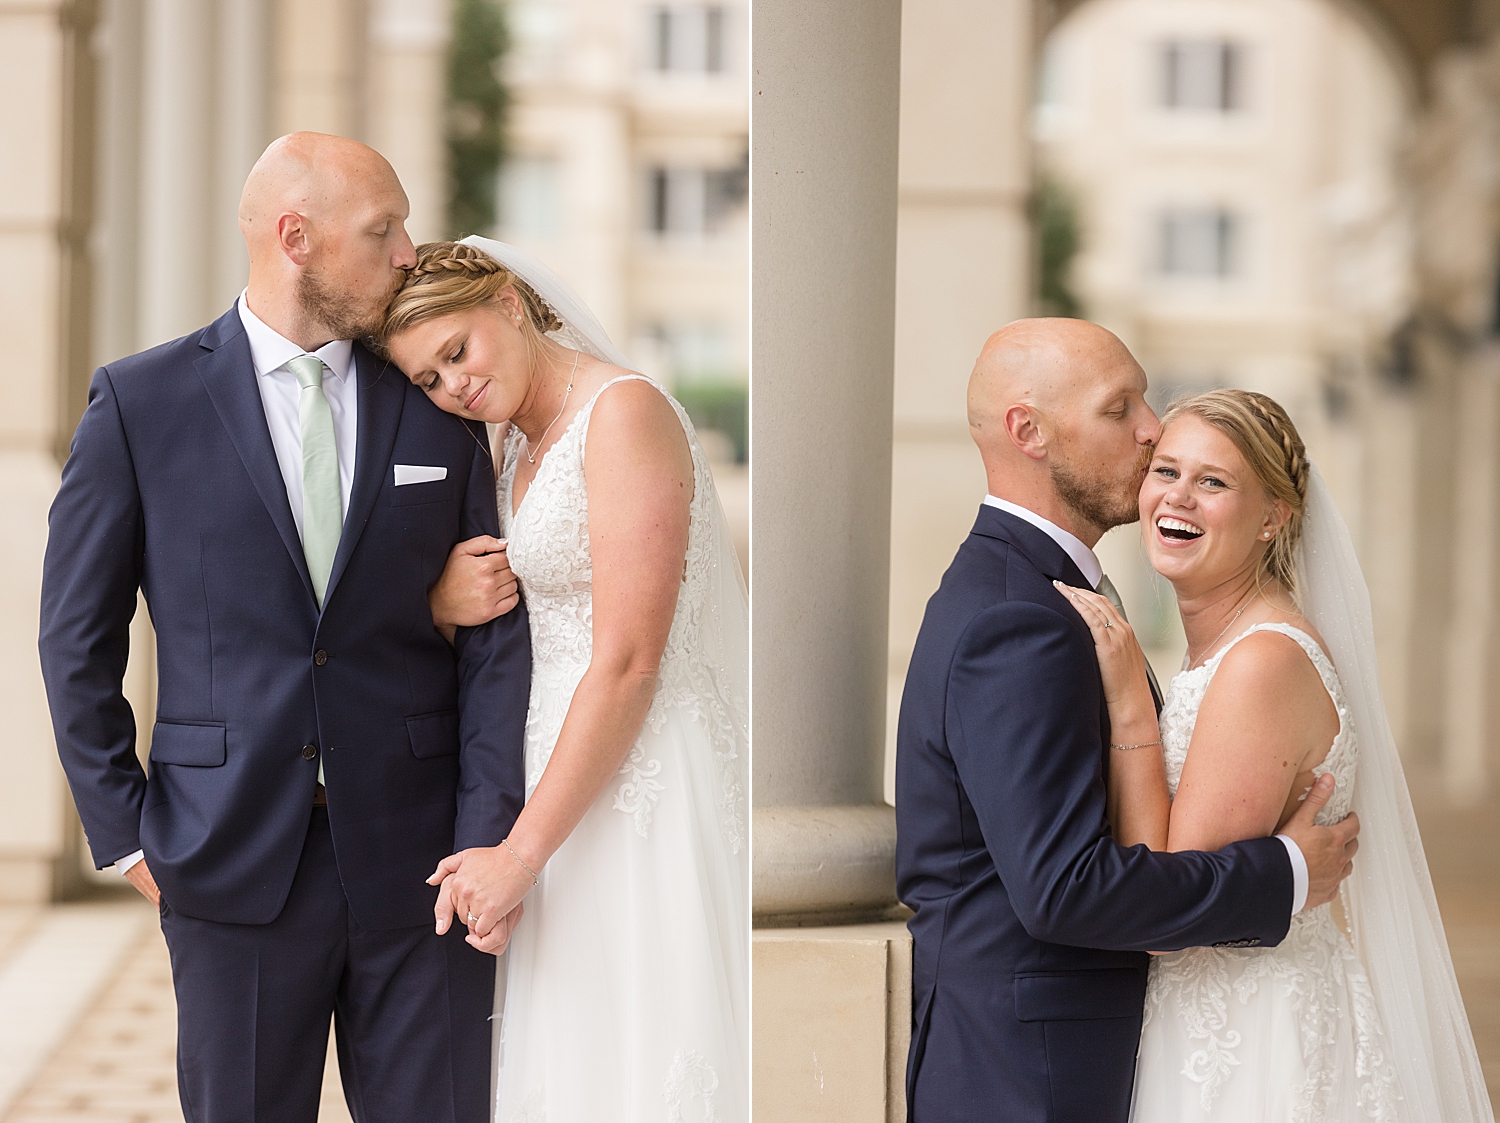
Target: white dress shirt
(279, 391)
(1088, 565)
(270, 351)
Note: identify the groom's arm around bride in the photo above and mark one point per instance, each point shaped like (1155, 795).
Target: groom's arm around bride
(1031, 923)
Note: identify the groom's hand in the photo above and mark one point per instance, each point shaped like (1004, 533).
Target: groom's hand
(1329, 851)
(139, 876)
(477, 585)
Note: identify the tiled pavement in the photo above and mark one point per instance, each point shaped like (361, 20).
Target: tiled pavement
(115, 1060)
(87, 1022)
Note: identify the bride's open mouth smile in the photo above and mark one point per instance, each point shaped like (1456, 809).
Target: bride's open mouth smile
(1176, 532)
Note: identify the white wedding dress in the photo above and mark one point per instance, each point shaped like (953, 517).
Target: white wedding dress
(1288, 1034)
(626, 983)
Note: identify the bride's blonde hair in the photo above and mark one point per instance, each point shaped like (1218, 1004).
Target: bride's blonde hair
(1271, 445)
(453, 277)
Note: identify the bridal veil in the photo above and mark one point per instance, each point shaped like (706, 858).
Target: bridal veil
(1389, 900)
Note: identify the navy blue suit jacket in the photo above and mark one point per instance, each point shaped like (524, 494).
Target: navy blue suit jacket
(173, 487)
(1031, 924)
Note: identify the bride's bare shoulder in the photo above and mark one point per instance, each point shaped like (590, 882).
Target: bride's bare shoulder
(633, 417)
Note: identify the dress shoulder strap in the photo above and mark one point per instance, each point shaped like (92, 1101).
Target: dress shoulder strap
(1320, 661)
(582, 420)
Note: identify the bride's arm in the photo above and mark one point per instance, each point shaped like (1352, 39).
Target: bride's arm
(1137, 802)
(1265, 714)
(639, 474)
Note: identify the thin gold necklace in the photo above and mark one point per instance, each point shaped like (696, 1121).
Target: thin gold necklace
(531, 456)
(1193, 663)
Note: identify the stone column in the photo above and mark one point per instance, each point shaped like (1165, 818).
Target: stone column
(43, 78)
(824, 247)
(830, 1016)
(318, 74)
(1473, 664)
(407, 89)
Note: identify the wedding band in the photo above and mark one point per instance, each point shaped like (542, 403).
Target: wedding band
(473, 919)
(1108, 624)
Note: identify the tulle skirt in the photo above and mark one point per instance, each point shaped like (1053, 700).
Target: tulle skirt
(626, 983)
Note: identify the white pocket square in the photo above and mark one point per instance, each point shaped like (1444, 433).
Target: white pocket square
(418, 474)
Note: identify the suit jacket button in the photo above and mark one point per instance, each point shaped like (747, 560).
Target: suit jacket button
(309, 751)
(320, 657)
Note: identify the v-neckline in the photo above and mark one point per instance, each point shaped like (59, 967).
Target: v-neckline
(545, 456)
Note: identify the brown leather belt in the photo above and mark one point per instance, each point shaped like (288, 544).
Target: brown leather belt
(320, 797)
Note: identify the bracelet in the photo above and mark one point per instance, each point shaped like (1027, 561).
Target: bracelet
(505, 842)
(1142, 745)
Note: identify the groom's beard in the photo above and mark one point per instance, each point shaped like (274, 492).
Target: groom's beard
(341, 312)
(1104, 503)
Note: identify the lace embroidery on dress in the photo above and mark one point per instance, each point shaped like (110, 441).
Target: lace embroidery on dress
(549, 552)
(533, 1109)
(1315, 969)
(690, 1077)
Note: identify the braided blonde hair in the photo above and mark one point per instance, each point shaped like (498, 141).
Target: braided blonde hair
(1270, 444)
(453, 277)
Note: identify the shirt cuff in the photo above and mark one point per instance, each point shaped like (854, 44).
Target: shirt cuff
(1299, 874)
(124, 864)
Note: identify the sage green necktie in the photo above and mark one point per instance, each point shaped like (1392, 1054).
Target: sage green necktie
(322, 500)
(1108, 591)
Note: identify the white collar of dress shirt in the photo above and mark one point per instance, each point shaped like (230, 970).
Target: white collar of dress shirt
(1082, 556)
(270, 350)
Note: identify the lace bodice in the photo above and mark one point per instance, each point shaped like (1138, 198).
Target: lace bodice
(549, 553)
(1179, 715)
(1212, 1013)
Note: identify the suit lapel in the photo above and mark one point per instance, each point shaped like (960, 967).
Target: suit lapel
(382, 394)
(228, 374)
(1043, 552)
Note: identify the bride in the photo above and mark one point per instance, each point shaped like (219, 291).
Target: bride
(1351, 1017)
(622, 889)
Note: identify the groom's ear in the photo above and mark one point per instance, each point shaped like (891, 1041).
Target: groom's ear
(1025, 433)
(291, 236)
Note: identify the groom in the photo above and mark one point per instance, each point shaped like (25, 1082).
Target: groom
(1030, 924)
(285, 501)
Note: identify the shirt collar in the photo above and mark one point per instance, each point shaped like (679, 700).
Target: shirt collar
(1082, 556)
(270, 350)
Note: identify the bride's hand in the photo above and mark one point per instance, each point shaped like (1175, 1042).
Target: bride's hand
(483, 887)
(1122, 663)
(477, 585)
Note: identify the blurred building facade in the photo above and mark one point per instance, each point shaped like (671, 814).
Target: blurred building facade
(128, 127)
(627, 171)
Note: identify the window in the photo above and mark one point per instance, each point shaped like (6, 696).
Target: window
(527, 198)
(1197, 243)
(692, 202)
(686, 39)
(1203, 74)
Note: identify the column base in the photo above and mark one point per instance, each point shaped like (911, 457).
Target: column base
(832, 1023)
(821, 865)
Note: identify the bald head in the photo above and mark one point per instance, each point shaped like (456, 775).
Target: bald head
(324, 218)
(1058, 410)
(312, 174)
(1041, 363)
